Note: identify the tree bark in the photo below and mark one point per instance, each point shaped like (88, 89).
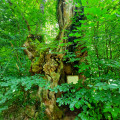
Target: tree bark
(54, 62)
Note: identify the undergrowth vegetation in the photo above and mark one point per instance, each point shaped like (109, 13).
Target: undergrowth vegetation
(98, 97)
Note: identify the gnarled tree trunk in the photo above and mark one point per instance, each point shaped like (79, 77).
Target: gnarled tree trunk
(52, 64)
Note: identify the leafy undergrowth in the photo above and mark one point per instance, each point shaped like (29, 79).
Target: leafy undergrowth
(19, 98)
(100, 101)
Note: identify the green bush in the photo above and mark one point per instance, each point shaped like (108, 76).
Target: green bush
(98, 101)
(17, 90)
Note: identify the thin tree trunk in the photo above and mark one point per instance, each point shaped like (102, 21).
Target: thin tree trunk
(95, 39)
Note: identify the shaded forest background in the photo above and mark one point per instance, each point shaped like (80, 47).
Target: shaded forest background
(34, 36)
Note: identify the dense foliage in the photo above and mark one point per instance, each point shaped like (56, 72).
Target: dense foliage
(99, 97)
(98, 33)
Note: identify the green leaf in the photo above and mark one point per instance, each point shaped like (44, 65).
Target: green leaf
(78, 104)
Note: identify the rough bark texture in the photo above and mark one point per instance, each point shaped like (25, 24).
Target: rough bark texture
(65, 14)
(52, 65)
(54, 62)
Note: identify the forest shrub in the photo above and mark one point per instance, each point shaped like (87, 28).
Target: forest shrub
(98, 101)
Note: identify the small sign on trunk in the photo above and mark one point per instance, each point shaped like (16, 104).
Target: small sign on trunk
(72, 79)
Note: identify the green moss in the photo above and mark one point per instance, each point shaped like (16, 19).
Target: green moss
(57, 113)
(30, 111)
(37, 64)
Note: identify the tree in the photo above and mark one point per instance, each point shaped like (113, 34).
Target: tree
(86, 45)
(51, 64)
